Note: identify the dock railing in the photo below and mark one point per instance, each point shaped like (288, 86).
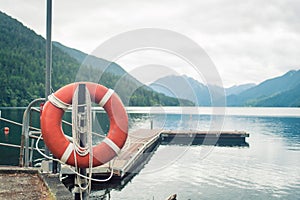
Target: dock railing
(28, 133)
(25, 133)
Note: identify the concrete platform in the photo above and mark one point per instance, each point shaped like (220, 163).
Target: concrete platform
(22, 183)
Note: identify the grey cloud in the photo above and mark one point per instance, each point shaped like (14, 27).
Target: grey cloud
(248, 41)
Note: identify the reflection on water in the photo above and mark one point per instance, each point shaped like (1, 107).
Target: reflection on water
(268, 169)
(227, 173)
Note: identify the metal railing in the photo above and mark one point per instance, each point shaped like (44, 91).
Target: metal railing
(30, 133)
(25, 134)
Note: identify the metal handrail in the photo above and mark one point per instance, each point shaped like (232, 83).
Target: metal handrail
(28, 132)
(30, 128)
(25, 134)
(17, 146)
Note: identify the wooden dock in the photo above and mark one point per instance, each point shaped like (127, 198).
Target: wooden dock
(138, 147)
(141, 144)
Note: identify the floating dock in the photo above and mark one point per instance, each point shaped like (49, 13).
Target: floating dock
(219, 138)
(137, 149)
(142, 143)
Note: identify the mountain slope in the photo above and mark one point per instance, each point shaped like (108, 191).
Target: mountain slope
(22, 67)
(289, 98)
(275, 85)
(81, 57)
(188, 88)
(266, 89)
(237, 89)
(131, 91)
(279, 91)
(22, 63)
(183, 87)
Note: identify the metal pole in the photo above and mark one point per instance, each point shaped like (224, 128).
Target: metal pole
(49, 66)
(48, 49)
(82, 134)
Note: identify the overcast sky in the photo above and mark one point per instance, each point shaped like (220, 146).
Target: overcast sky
(248, 41)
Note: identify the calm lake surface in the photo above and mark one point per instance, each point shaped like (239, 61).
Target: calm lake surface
(269, 168)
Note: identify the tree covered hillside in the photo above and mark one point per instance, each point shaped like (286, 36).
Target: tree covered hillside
(281, 91)
(22, 64)
(22, 67)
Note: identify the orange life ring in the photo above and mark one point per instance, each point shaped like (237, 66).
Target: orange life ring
(59, 145)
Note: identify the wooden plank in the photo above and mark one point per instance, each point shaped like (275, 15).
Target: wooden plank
(137, 142)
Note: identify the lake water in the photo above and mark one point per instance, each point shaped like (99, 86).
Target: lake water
(269, 168)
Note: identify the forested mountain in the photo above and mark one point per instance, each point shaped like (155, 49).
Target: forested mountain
(102, 64)
(188, 88)
(22, 67)
(131, 91)
(279, 91)
(22, 64)
(237, 89)
(282, 91)
(289, 98)
(183, 87)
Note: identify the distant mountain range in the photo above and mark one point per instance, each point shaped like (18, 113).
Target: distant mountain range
(237, 89)
(183, 87)
(282, 91)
